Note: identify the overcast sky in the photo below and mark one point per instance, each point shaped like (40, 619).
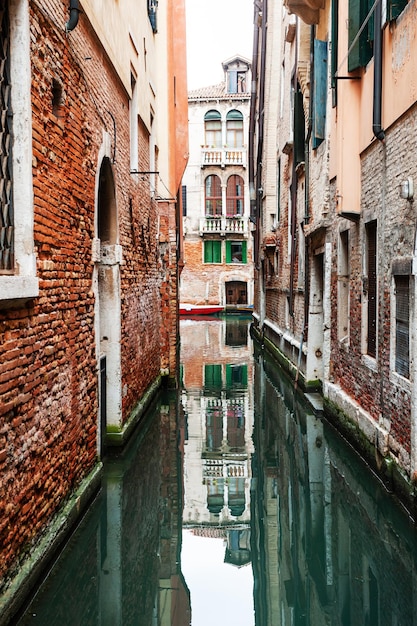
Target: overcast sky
(216, 31)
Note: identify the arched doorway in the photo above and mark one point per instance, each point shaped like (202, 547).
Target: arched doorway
(108, 296)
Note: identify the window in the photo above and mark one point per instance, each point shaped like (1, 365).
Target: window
(343, 287)
(152, 8)
(402, 325)
(334, 47)
(18, 280)
(213, 129)
(134, 131)
(278, 192)
(236, 252)
(371, 279)
(299, 126)
(234, 196)
(213, 195)
(212, 251)
(184, 199)
(234, 129)
(236, 81)
(361, 52)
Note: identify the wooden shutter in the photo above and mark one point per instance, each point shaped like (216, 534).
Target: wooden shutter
(319, 91)
(362, 51)
(244, 253)
(371, 232)
(395, 7)
(402, 325)
(217, 251)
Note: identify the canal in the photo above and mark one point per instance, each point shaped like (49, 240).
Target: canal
(234, 505)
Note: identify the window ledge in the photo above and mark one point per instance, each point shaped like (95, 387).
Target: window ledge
(400, 381)
(17, 290)
(370, 362)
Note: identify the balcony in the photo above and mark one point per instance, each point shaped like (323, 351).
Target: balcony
(223, 156)
(224, 225)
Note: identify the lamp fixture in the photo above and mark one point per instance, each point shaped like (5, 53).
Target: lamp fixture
(407, 189)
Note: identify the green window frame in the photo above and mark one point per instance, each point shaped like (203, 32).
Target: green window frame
(236, 251)
(236, 376)
(394, 8)
(212, 251)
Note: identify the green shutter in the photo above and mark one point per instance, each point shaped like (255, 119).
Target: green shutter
(319, 91)
(228, 252)
(395, 7)
(217, 251)
(244, 255)
(207, 252)
(354, 25)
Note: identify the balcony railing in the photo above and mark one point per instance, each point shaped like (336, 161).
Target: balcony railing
(223, 156)
(224, 225)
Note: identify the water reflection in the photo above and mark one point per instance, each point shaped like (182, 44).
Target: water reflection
(217, 400)
(234, 505)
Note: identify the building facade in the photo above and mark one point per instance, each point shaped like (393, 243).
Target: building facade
(94, 144)
(217, 234)
(334, 277)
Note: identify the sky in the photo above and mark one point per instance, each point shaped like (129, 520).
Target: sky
(220, 593)
(216, 31)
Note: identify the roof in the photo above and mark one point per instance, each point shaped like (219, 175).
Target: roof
(216, 92)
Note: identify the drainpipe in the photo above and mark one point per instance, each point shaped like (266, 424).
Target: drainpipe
(377, 104)
(74, 11)
(252, 114)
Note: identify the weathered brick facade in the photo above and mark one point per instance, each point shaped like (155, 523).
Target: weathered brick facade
(51, 345)
(335, 280)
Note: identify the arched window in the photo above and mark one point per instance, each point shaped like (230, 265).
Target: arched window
(213, 195)
(234, 129)
(234, 196)
(213, 129)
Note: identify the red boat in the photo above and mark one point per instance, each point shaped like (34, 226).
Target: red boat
(200, 309)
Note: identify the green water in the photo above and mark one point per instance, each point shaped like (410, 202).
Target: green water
(234, 505)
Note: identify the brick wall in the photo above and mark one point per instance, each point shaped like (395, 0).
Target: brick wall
(48, 360)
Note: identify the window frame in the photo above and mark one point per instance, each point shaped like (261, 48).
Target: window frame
(213, 204)
(229, 251)
(23, 284)
(212, 251)
(235, 202)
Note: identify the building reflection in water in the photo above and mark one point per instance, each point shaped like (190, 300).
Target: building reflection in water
(331, 545)
(217, 401)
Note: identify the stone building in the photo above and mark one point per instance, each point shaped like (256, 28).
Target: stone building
(94, 145)
(217, 235)
(334, 278)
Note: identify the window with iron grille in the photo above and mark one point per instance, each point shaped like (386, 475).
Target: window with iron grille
(402, 325)
(18, 279)
(234, 195)
(6, 195)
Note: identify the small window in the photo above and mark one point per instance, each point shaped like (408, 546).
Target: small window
(402, 325)
(184, 199)
(213, 195)
(371, 270)
(212, 252)
(236, 252)
(213, 375)
(152, 9)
